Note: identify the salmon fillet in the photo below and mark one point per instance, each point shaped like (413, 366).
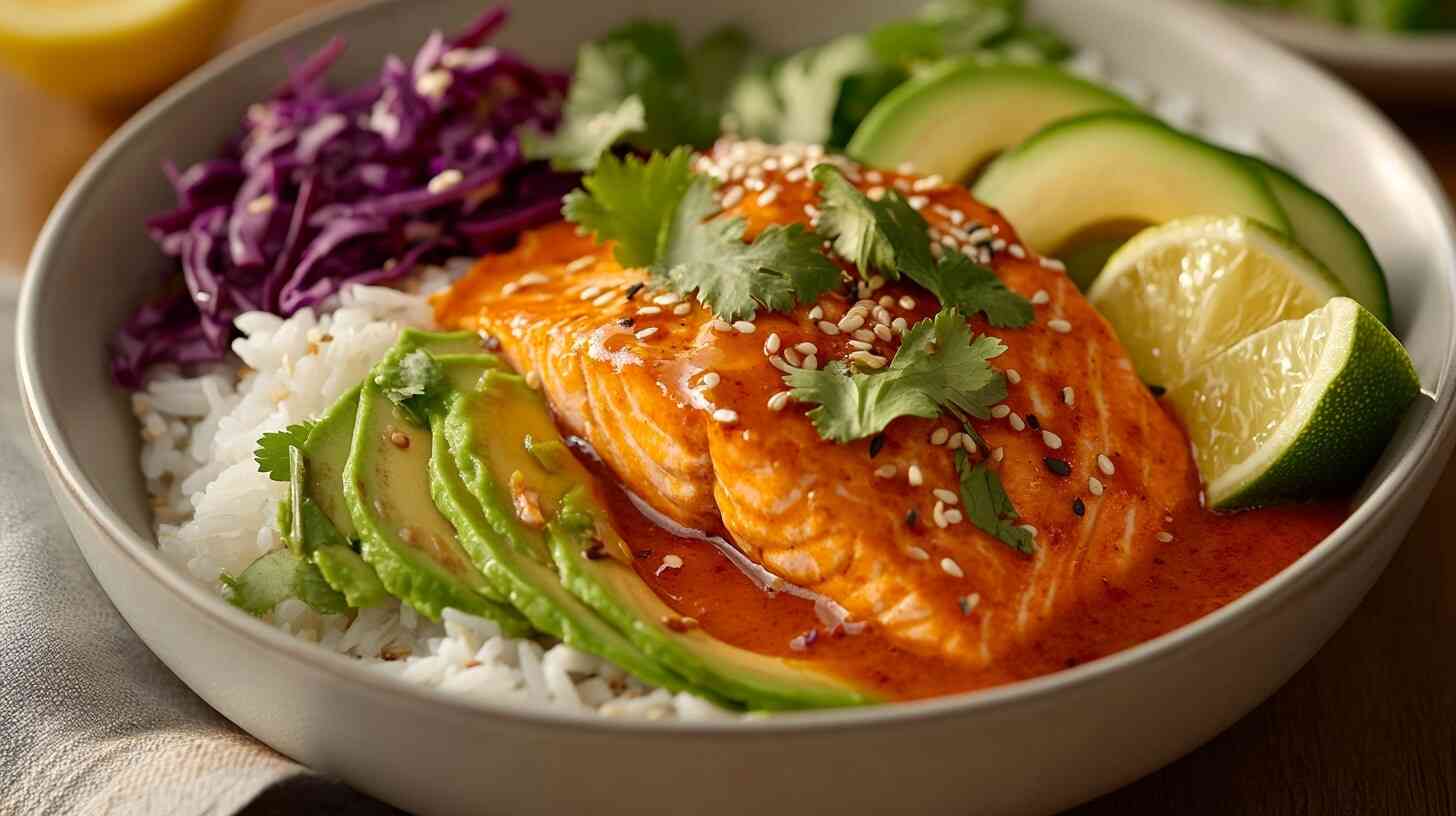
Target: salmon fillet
(677, 404)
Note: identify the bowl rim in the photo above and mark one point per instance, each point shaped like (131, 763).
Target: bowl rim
(1424, 453)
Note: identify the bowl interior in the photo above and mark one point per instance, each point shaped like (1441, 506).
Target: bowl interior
(95, 262)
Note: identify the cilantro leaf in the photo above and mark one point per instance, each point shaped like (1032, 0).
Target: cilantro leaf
(277, 576)
(782, 267)
(987, 505)
(959, 281)
(939, 367)
(271, 453)
(412, 375)
(890, 236)
(795, 100)
(581, 139)
(632, 202)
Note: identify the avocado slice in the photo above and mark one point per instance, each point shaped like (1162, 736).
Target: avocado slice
(515, 555)
(540, 500)
(411, 546)
(955, 118)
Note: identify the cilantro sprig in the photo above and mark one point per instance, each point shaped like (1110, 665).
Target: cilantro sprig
(664, 218)
(272, 454)
(890, 236)
(988, 506)
(939, 367)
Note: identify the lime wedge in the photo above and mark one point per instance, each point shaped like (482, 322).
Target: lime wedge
(1300, 409)
(1180, 293)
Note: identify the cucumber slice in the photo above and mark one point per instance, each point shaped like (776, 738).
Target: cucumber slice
(1078, 178)
(957, 117)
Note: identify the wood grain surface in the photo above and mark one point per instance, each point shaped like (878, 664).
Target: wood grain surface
(1368, 727)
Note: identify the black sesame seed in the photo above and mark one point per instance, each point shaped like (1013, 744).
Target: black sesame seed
(1157, 390)
(912, 518)
(877, 444)
(1078, 507)
(634, 289)
(1058, 466)
(643, 554)
(1033, 422)
(626, 322)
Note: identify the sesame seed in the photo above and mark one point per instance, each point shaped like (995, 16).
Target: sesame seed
(998, 245)
(1052, 440)
(874, 177)
(1059, 326)
(1105, 465)
(877, 444)
(900, 325)
(912, 474)
(445, 180)
(1040, 297)
(732, 197)
(1069, 396)
(860, 345)
(998, 454)
(850, 322)
(868, 360)
(1013, 376)
(1017, 423)
(969, 603)
(725, 415)
(744, 327)
(816, 313)
(1164, 537)
(955, 441)
(883, 332)
(710, 380)
(937, 514)
(917, 202)
(953, 517)
(1079, 507)
(918, 554)
(1058, 466)
(806, 348)
(604, 299)
(1029, 529)
(781, 364)
(667, 299)
(682, 309)
(771, 345)
(1053, 263)
(533, 380)
(927, 183)
(1094, 485)
(947, 496)
(532, 279)
(951, 568)
(510, 288)
(887, 301)
(579, 264)
(590, 292)
(794, 357)
(876, 282)
(768, 196)
(886, 471)
(646, 333)
(634, 289)
(980, 236)
(778, 401)
(875, 193)
(669, 562)
(1001, 411)
(940, 436)
(864, 335)
(811, 362)
(907, 302)
(648, 311)
(828, 328)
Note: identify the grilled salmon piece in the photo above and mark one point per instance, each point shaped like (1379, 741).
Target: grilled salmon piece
(681, 407)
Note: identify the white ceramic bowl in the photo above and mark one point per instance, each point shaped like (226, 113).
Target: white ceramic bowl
(1032, 747)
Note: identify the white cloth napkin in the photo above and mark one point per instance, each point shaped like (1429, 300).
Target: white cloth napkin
(90, 721)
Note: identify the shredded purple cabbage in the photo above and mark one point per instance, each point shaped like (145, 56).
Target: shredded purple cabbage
(329, 187)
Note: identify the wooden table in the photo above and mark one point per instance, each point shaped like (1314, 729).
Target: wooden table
(1368, 727)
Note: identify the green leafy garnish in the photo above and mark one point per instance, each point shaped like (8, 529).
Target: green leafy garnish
(277, 576)
(987, 505)
(412, 375)
(662, 217)
(271, 453)
(582, 138)
(939, 367)
(890, 236)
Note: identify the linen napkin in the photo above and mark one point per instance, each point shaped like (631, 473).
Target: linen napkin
(90, 721)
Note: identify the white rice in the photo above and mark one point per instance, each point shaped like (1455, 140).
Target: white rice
(215, 511)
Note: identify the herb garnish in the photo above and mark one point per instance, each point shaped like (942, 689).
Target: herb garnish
(664, 218)
(987, 505)
(938, 367)
(272, 451)
(890, 236)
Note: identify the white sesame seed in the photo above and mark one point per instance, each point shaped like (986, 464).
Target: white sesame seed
(1105, 465)
(725, 415)
(816, 313)
(778, 401)
(1095, 486)
(648, 311)
(1040, 297)
(1164, 537)
(980, 236)
(604, 298)
(875, 193)
(860, 345)
(937, 514)
(998, 454)
(670, 562)
(939, 436)
(883, 332)
(445, 180)
(1029, 529)
(900, 325)
(1017, 423)
(876, 282)
(918, 554)
(667, 299)
(579, 264)
(771, 345)
(927, 183)
(1001, 411)
(887, 301)
(1017, 251)
(954, 443)
(811, 363)
(1052, 440)
(710, 380)
(682, 309)
(510, 289)
(953, 517)
(998, 245)
(828, 328)
(1059, 326)
(781, 364)
(768, 196)
(951, 568)
(806, 348)
(533, 380)
(1013, 376)
(917, 202)
(850, 322)
(646, 333)
(1053, 263)
(532, 279)
(914, 476)
(947, 496)
(886, 471)
(720, 326)
(874, 177)
(744, 327)
(590, 292)
(907, 302)
(732, 197)
(794, 357)
(1069, 396)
